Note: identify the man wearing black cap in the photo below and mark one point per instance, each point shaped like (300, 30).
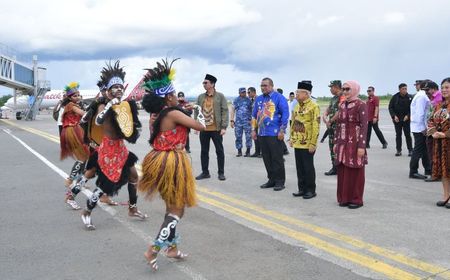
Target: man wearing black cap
(304, 134)
(215, 110)
(182, 104)
(399, 109)
(329, 117)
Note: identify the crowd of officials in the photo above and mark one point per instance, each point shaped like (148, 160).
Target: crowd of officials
(269, 120)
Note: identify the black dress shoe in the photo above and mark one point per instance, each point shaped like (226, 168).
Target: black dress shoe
(430, 179)
(297, 194)
(441, 203)
(278, 188)
(417, 176)
(354, 206)
(447, 205)
(203, 176)
(267, 185)
(343, 204)
(385, 145)
(331, 172)
(397, 154)
(309, 195)
(221, 177)
(254, 155)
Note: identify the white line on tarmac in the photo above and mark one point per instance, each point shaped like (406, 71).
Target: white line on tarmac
(147, 238)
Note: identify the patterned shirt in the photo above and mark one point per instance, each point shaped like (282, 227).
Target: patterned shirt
(305, 125)
(270, 114)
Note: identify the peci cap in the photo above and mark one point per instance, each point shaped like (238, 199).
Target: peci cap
(305, 85)
(211, 78)
(181, 94)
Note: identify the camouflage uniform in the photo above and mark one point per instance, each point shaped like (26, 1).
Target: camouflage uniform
(332, 111)
(242, 124)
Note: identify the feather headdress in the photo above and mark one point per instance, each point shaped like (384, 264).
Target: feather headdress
(71, 88)
(111, 75)
(159, 79)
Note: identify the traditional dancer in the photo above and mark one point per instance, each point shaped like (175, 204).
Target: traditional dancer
(167, 169)
(112, 162)
(71, 137)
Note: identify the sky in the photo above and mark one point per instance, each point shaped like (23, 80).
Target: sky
(377, 43)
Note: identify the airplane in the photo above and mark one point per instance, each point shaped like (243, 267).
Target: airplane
(51, 99)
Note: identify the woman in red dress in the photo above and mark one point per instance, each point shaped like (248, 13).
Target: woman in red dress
(350, 147)
(439, 129)
(167, 168)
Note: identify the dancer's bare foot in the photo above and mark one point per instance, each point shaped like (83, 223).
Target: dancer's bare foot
(173, 252)
(151, 257)
(134, 212)
(107, 200)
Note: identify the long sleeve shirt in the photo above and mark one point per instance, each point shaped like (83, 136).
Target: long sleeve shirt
(420, 106)
(305, 125)
(399, 106)
(351, 133)
(270, 114)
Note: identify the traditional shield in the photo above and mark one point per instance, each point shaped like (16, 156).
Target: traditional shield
(124, 117)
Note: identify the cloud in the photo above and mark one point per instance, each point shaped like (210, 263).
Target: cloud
(189, 74)
(240, 41)
(88, 27)
(394, 18)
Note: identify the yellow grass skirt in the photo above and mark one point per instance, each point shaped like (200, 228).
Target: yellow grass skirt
(170, 174)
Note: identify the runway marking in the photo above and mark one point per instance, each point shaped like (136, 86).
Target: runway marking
(411, 262)
(323, 245)
(147, 238)
(365, 261)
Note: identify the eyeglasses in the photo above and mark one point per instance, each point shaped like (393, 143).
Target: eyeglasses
(75, 95)
(346, 89)
(369, 90)
(264, 85)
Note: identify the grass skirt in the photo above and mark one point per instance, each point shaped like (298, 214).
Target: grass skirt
(72, 144)
(170, 174)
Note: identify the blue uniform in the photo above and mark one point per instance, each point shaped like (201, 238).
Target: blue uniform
(242, 124)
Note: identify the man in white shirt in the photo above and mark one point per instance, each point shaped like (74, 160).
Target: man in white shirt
(420, 107)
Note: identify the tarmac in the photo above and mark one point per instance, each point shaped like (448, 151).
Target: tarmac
(238, 231)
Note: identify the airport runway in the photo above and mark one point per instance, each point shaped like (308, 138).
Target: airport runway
(239, 231)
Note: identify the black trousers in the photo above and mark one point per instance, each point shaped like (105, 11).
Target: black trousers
(272, 153)
(306, 173)
(377, 132)
(419, 152)
(205, 137)
(257, 144)
(402, 125)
